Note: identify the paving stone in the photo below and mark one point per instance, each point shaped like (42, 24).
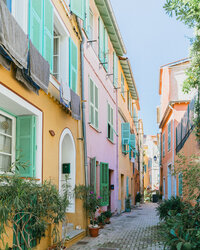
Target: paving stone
(137, 230)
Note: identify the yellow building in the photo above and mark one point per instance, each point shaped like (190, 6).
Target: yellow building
(35, 98)
(128, 155)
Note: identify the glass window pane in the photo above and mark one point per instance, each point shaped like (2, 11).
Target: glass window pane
(5, 163)
(5, 144)
(5, 125)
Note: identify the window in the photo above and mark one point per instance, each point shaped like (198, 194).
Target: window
(23, 128)
(103, 44)
(122, 85)
(7, 141)
(110, 123)
(169, 136)
(163, 144)
(56, 55)
(94, 105)
(104, 183)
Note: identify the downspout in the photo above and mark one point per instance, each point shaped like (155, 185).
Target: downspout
(83, 104)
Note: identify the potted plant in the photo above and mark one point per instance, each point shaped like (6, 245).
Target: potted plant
(101, 220)
(91, 203)
(108, 215)
(128, 204)
(138, 199)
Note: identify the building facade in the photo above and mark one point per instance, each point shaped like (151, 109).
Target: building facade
(173, 105)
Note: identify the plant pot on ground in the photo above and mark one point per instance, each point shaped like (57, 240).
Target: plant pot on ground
(128, 204)
(101, 220)
(108, 215)
(138, 198)
(94, 231)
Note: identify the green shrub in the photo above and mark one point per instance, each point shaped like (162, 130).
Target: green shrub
(173, 205)
(107, 214)
(138, 197)
(182, 231)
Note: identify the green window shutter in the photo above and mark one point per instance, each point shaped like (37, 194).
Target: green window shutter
(127, 190)
(48, 33)
(91, 111)
(93, 174)
(125, 131)
(180, 186)
(106, 58)
(111, 121)
(36, 23)
(87, 16)
(132, 141)
(108, 121)
(73, 64)
(96, 94)
(101, 40)
(78, 8)
(26, 144)
(115, 70)
(110, 130)
(104, 184)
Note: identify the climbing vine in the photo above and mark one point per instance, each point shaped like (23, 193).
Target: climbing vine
(188, 12)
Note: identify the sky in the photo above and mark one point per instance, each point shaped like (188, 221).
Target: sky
(152, 39)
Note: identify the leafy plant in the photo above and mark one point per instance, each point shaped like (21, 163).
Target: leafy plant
(168, 207)
(138, 197)
(90, 200)
(187, 11)
(107, 214)
(28, 208)
(182, 231)
(189, 167)
(101, 219)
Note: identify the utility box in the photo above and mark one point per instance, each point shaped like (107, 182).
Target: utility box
(66, 168)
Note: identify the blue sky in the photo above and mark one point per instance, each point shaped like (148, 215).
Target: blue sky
(152, 39)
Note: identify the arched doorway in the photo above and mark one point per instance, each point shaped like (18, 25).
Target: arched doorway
(67, 155)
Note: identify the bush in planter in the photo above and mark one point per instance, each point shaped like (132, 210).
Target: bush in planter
(90, 200)
(182, 230)
(128, 204)
(28, 208)
(175, 205)
(101, 219)
(138, 197)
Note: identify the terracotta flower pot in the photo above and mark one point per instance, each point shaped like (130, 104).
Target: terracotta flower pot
(94, 231)
(107, 220)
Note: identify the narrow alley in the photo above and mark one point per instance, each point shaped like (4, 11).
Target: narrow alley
(136, 230)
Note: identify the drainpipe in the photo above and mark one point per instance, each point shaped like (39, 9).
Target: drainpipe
(83, 104)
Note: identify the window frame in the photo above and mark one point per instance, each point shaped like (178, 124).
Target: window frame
(25, 7)
(13, 138)
(169, 136)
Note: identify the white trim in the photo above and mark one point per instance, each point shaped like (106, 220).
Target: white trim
(12, 137)
(54, 82)
(65, 132)
(61, 22)
(24, 5)
(39, 123)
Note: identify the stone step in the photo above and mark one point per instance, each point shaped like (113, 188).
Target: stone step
(74, 233)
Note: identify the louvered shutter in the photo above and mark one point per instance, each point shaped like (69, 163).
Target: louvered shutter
(104, 184)
(106, 49)
(73, 64)
(169, 136)
(87, 17)
(36, 23)
(93, 174)
(111, 122)
(26, 144)
(96, 106)
(125, 128)
(91, 112)
(115, 70)
(101, 40)
(78, 8)
(127, 189)
(48, 33)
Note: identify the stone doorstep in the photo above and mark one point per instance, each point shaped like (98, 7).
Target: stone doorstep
(74, 233)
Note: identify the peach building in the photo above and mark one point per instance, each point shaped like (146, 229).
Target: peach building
(173, 106)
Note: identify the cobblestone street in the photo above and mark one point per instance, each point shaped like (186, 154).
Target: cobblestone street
(131, 231)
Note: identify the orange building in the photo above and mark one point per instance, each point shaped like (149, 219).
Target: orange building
(174, 104)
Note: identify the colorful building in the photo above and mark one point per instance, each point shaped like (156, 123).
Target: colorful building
(174, 103)
(40, 97)
(128, 139)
